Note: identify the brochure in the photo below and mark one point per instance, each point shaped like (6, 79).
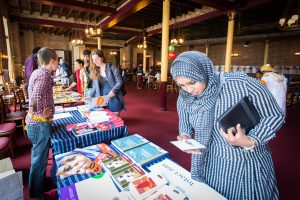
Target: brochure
(124, 176)
(129, 142)
(145, 153)
(189, 144)
(180, 178)
(83, 161)
(144, 186)
(116, 163)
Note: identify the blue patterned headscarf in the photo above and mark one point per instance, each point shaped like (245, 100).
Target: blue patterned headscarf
(197, 67)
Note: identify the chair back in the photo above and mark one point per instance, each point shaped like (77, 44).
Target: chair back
(2, 109)
(21, 98)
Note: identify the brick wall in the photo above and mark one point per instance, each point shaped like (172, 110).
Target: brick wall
(52, 41)
(281, 52)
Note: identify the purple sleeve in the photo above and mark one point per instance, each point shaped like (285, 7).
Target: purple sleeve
(30, 66)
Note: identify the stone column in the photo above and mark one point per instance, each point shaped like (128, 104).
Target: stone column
(164, 54)
(229, 41)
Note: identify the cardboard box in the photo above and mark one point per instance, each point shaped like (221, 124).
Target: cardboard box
(11, 183)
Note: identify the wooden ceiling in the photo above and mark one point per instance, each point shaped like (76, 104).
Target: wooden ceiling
(127, 19)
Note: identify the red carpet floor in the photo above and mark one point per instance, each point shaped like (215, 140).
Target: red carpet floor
(143, 116)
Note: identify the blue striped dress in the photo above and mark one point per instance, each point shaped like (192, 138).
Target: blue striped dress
(232, 171)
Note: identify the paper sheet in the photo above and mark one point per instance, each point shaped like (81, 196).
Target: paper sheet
(61, 115)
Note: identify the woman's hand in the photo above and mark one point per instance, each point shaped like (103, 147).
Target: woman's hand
(111, 94)
(186, 137)
(237, 137)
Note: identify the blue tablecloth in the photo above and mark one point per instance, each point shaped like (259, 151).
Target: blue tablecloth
(63, 141)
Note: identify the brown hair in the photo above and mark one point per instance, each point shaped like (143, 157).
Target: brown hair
(45, 55)
(94, 69)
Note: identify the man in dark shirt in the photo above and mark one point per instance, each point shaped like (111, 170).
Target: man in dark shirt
(31, 64)
(86, 58)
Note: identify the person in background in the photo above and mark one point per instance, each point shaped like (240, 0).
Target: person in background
(106, 81)
(64, 72)
(41, 110)
(31, 64)
(80, 78)
(235, 164)
(139, 77)
(259, 75)
(277, 84)
(86, 58)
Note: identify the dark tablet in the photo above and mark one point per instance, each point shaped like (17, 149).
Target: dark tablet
(243, 113)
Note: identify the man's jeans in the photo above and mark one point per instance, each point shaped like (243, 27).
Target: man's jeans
(39, 134)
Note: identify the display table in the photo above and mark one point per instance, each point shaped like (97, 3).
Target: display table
(78, 184)
(63, 141)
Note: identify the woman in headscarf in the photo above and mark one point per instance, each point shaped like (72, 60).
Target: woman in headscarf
(237, 165)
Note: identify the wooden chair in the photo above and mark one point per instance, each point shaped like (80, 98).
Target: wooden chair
(172, 87)
(7, 130)
(21, 101)
(13, 116)
(150, 82)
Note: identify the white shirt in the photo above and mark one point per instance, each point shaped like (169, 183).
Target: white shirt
(277, 85)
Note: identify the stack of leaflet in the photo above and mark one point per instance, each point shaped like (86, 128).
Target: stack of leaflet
(97, 116)
(122, 170)
(103, 119)
(83, 161)
(139, 149)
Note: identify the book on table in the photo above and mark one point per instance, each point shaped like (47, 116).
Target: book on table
(243, 113)
(146, 153)
(146, 185)
(84, 131)
(116, 163)
(83, 160)
(129, 142)
(125, 175)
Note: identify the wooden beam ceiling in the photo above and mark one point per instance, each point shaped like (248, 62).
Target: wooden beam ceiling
(131, 7)
(79, 6)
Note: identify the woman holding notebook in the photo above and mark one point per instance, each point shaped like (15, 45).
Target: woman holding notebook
(106, 81)
(236, 164)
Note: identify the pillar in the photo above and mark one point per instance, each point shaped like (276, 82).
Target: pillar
(99, 42)
(229, 41)
(164, 54)
(144, 54)
(266, 54)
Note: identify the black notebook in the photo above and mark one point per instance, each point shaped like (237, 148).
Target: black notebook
(243, 113)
